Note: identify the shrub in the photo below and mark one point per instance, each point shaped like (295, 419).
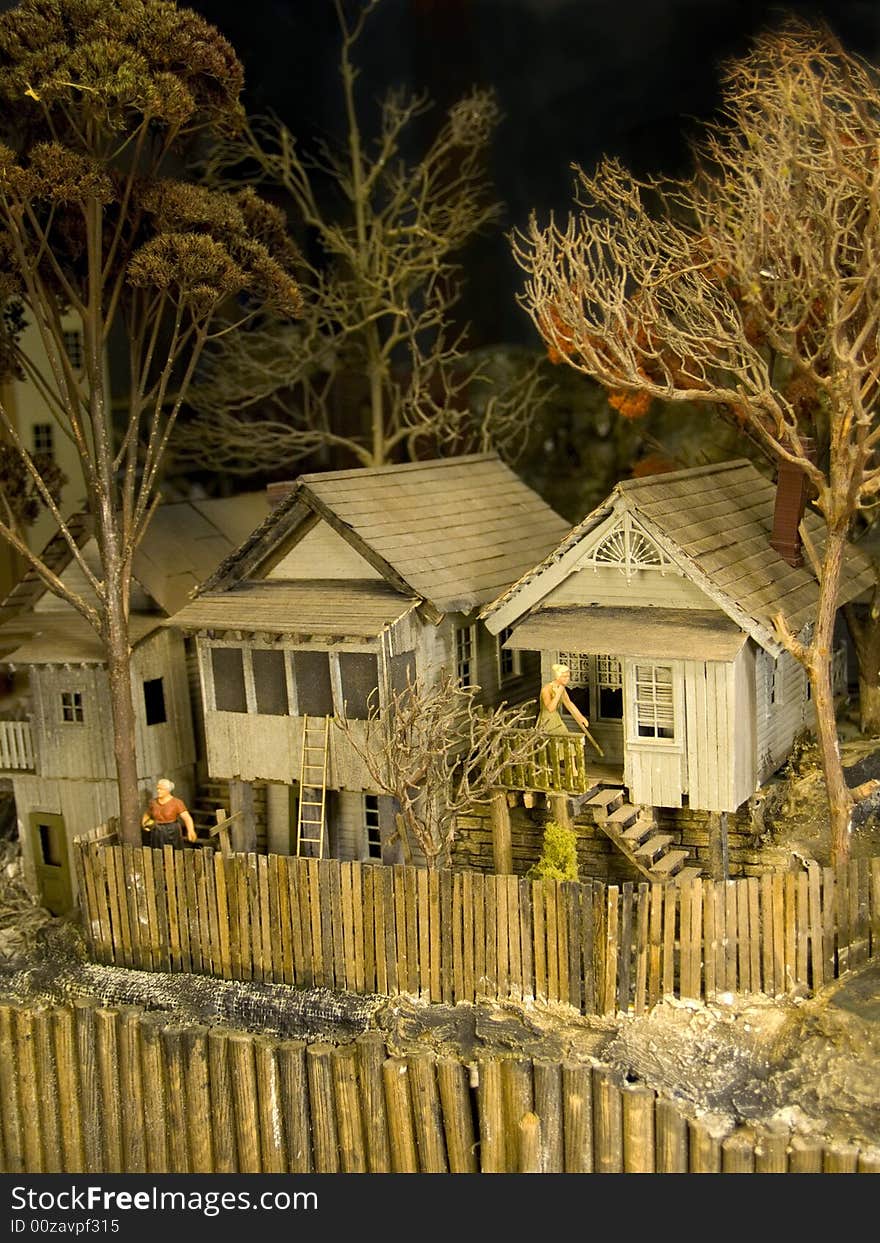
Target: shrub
(558, 859)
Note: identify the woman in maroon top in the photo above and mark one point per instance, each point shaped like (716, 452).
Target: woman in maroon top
(166, 815)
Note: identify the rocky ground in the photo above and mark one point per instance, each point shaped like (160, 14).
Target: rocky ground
(808, 1062)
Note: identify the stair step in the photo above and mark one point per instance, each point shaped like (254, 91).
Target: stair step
(653, 846)
(623, 816)
(638, 831)
(669, 864)
(606, 800)
(687, 874)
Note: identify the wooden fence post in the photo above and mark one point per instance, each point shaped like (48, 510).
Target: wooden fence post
(499, 820)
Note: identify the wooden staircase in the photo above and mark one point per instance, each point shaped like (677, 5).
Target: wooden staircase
(634, 832)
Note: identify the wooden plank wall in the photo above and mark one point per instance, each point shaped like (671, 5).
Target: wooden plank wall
(91, 1089)
(462, 936)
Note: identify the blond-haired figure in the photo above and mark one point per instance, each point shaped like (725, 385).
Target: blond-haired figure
(553, 697)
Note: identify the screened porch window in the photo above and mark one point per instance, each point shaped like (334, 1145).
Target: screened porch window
(227, 666)
(359, 675)
(270, 684)
(654, 703)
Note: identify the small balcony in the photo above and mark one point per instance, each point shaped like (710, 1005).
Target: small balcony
(16, 747)
(558, 766)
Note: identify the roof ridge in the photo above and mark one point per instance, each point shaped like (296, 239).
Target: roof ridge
(399, 467)
(690, 472)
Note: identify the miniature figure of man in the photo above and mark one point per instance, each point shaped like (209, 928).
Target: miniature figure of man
(166, 816)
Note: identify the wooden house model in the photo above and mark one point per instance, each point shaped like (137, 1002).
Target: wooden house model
(356, 581)
(661, 602)
(56, 737)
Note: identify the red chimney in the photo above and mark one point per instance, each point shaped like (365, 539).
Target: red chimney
(792, 487)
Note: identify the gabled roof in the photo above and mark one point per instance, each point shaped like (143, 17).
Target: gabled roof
(453, 531)
(714, 524)
(182, 544)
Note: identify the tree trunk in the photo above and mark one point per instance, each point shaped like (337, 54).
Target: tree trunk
(818, 665)
(869, 707)
(866, 640)
(122, 709)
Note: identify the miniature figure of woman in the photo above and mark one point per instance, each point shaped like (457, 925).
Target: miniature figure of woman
(166, 816)
(552, 696)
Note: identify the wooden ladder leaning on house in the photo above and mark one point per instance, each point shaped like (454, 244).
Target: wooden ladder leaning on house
(312, 812)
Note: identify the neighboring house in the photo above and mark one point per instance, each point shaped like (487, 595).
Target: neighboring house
(661, 601)
(357, 580)
(58, 753)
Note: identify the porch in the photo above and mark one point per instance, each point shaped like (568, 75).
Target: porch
(559, 766)
(17, 747)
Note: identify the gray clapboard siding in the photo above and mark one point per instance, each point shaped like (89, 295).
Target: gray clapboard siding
(321, 554)
(608, 586)
(73, 749)
(742, 725)
(269, 748)
(709, 751)
(170, 744)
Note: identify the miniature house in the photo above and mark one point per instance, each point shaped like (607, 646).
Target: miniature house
(56, 738)
(356, 581)
(661, 602)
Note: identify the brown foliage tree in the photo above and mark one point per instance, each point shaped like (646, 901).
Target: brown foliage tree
(753, 284)
(437, 753)
(98, 98)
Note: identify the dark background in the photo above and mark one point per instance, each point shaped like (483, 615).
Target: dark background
(575, 79)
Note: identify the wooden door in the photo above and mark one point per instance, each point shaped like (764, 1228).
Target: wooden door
(51, 861)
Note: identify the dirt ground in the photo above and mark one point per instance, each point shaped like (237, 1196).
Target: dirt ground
(807, 1062)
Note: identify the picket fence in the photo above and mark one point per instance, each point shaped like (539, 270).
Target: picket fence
(450, 936)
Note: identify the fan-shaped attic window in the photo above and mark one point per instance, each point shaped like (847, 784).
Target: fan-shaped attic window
(628, 548)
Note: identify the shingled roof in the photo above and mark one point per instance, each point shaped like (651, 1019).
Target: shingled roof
(453, 531)
(183, 543)
(714, 522)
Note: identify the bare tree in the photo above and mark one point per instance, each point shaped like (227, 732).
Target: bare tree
(755, 283)
(437, 753)
(374, 368)
(98, 99)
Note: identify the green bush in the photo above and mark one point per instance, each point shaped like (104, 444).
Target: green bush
(558, 859)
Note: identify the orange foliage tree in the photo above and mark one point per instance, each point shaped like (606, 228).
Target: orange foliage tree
(754, 284)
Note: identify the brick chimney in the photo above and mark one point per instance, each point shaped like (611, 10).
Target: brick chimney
(792, 488)
(276, 492)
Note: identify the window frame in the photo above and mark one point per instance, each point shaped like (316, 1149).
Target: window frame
(372, 848)
(206, 646)
(673, 742)
(150, 682)
(513, 655)
(468, 629)
(76, 707)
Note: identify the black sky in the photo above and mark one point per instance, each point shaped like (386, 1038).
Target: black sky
(575, 79)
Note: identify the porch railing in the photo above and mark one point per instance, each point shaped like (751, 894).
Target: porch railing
(16, 746)
(558, 766)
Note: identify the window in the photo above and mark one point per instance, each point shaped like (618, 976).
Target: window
(509, 659)
(73, 347)
(72, 707)
(465, 655)
(359, 674)
(43, 438)
(314, 692)
(655, 714)
(609, 688)
(579, 686)
(270, 683)
(154, 701)
(371, 826)
(228, 669)
(402, 672)
(51, 845)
